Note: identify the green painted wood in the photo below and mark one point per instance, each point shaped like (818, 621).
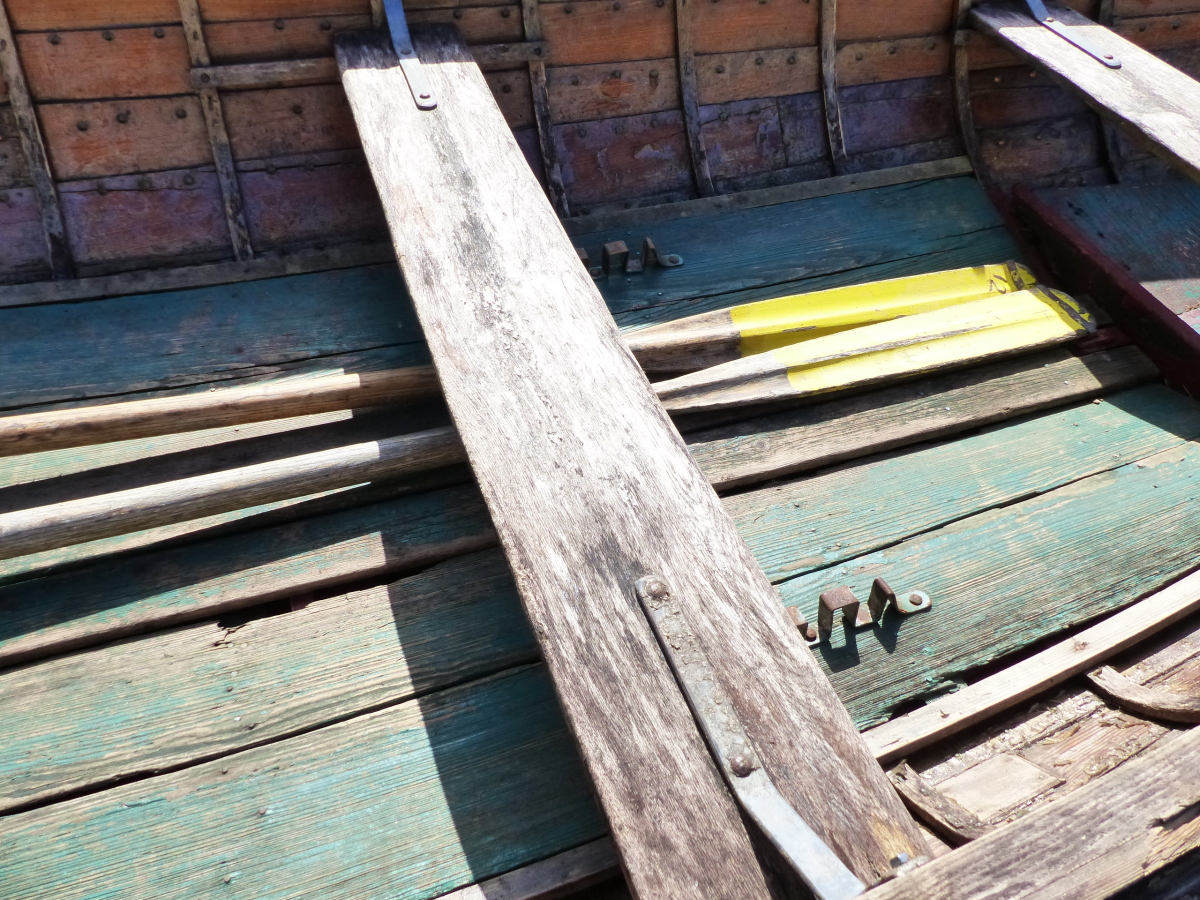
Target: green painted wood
(183, 695)
(405, 803)
(1006, 578)
(64, 352)
(155, 590)
(817, 522)
(1153, 230)
(771, 246)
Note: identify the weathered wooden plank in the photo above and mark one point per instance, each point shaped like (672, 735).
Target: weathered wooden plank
(724, 77)
(576, 869)
(32, 145)
(818, 522)
(584, 32)
(883, 61)
(877, 20)
(531, 17)
(154, 341)
(747, 25)
(106, 137)
(35, 15)
(276, 73)
(741, 139)
(1151, 101)
(457, 786)
(685, 54)
(1150, 702)
(279, 37)
(982, 572)
(118, 62)
(551, 545)
(479, 24)
(580, 93)
(829, 86)
(23, 252)
(328, 661)
(1104, 836)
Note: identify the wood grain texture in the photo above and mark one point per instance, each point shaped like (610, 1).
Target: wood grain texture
(1151, 101)
(725, 77)
(1150, 702)
(949, 820)
(556, 549)
(276, 73)
(977, 564)
(729, 26)
(458, 786)
(263, 40)
(287, 121)
(829, 86)
(119, 62)
(787, 443)
(594, 31)
(1102, 837)
(580, 93)
(34, 149)
(37, 15)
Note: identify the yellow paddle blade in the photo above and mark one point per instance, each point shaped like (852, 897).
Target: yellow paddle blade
(951, 336)
(769, 324)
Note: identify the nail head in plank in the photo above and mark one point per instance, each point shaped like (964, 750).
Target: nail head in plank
(597, 431)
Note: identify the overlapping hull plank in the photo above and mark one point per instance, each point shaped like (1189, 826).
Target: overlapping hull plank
(590, 489)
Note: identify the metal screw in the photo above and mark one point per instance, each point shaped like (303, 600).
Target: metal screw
(742, 765)
(107, 35)
(181, 113)
(720, 69)
(280, 24)
(298, 109)
(81, 125)
(54, 39)
(123, 116)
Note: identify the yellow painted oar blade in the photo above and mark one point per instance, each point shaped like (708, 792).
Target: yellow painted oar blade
(769, 324)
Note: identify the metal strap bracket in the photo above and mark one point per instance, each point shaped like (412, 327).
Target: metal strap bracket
(812, 859)
(414, 74)
(1072, 35)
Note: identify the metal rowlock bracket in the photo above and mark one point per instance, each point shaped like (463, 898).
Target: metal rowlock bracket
(414, 74)
(1038, 10)
(854, 613)
(815, 863)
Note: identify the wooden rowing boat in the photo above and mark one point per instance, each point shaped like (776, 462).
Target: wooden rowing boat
(615, 448)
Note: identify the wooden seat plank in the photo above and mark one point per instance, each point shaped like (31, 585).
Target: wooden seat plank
(1152, 102)
(590, 489)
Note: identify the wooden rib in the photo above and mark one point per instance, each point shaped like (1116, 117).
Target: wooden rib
(277, 73)
(1151, 101)
(541, 385)
(218, 135)
(38, 432)
(1151, 702)
(977, 702)
(1112, 146)
(58, 254)
(689, 97)
(378, 17)
(1109, 833)
(531, 16)
(829, 86)
(962, 105)
(945, 818)
(91, 518)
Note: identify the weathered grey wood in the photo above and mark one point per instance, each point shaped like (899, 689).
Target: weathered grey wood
(800, 440)
(1100, 838)
(551, 406)
(829, 86)
(275, 73)
(504, 56)
(218, 135)
(1152, 102)
(689, 96)
(1020, 681)
(58, 253)
(558, 876)
(785, 193)
(91, 518)
(531, 16)
(946, 818)
(1151, 702)
(147, 281)
(38, 432)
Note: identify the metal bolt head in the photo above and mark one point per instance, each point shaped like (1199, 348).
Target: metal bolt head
(326, 26)
(899, 860)
(82, 125)
(616, 4)
(653, 588)
(575, 79)
(425, 95)
(160, 33)
(206, 78)
(720, 69)
(189, 180)
(505, 13)
(792, 60)
(107, 35)
(181, 113)
(280, 24)
(458, 14)
(54, 39)
(758, 61)
(616, 73)
(507, 89)
(654, 73)
(568, 9)
(742, 764)
(298, 110)
(123, 116)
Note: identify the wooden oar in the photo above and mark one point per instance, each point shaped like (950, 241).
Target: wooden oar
(724, 335)
(911, 345)
(36, 432)
(91, 518)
